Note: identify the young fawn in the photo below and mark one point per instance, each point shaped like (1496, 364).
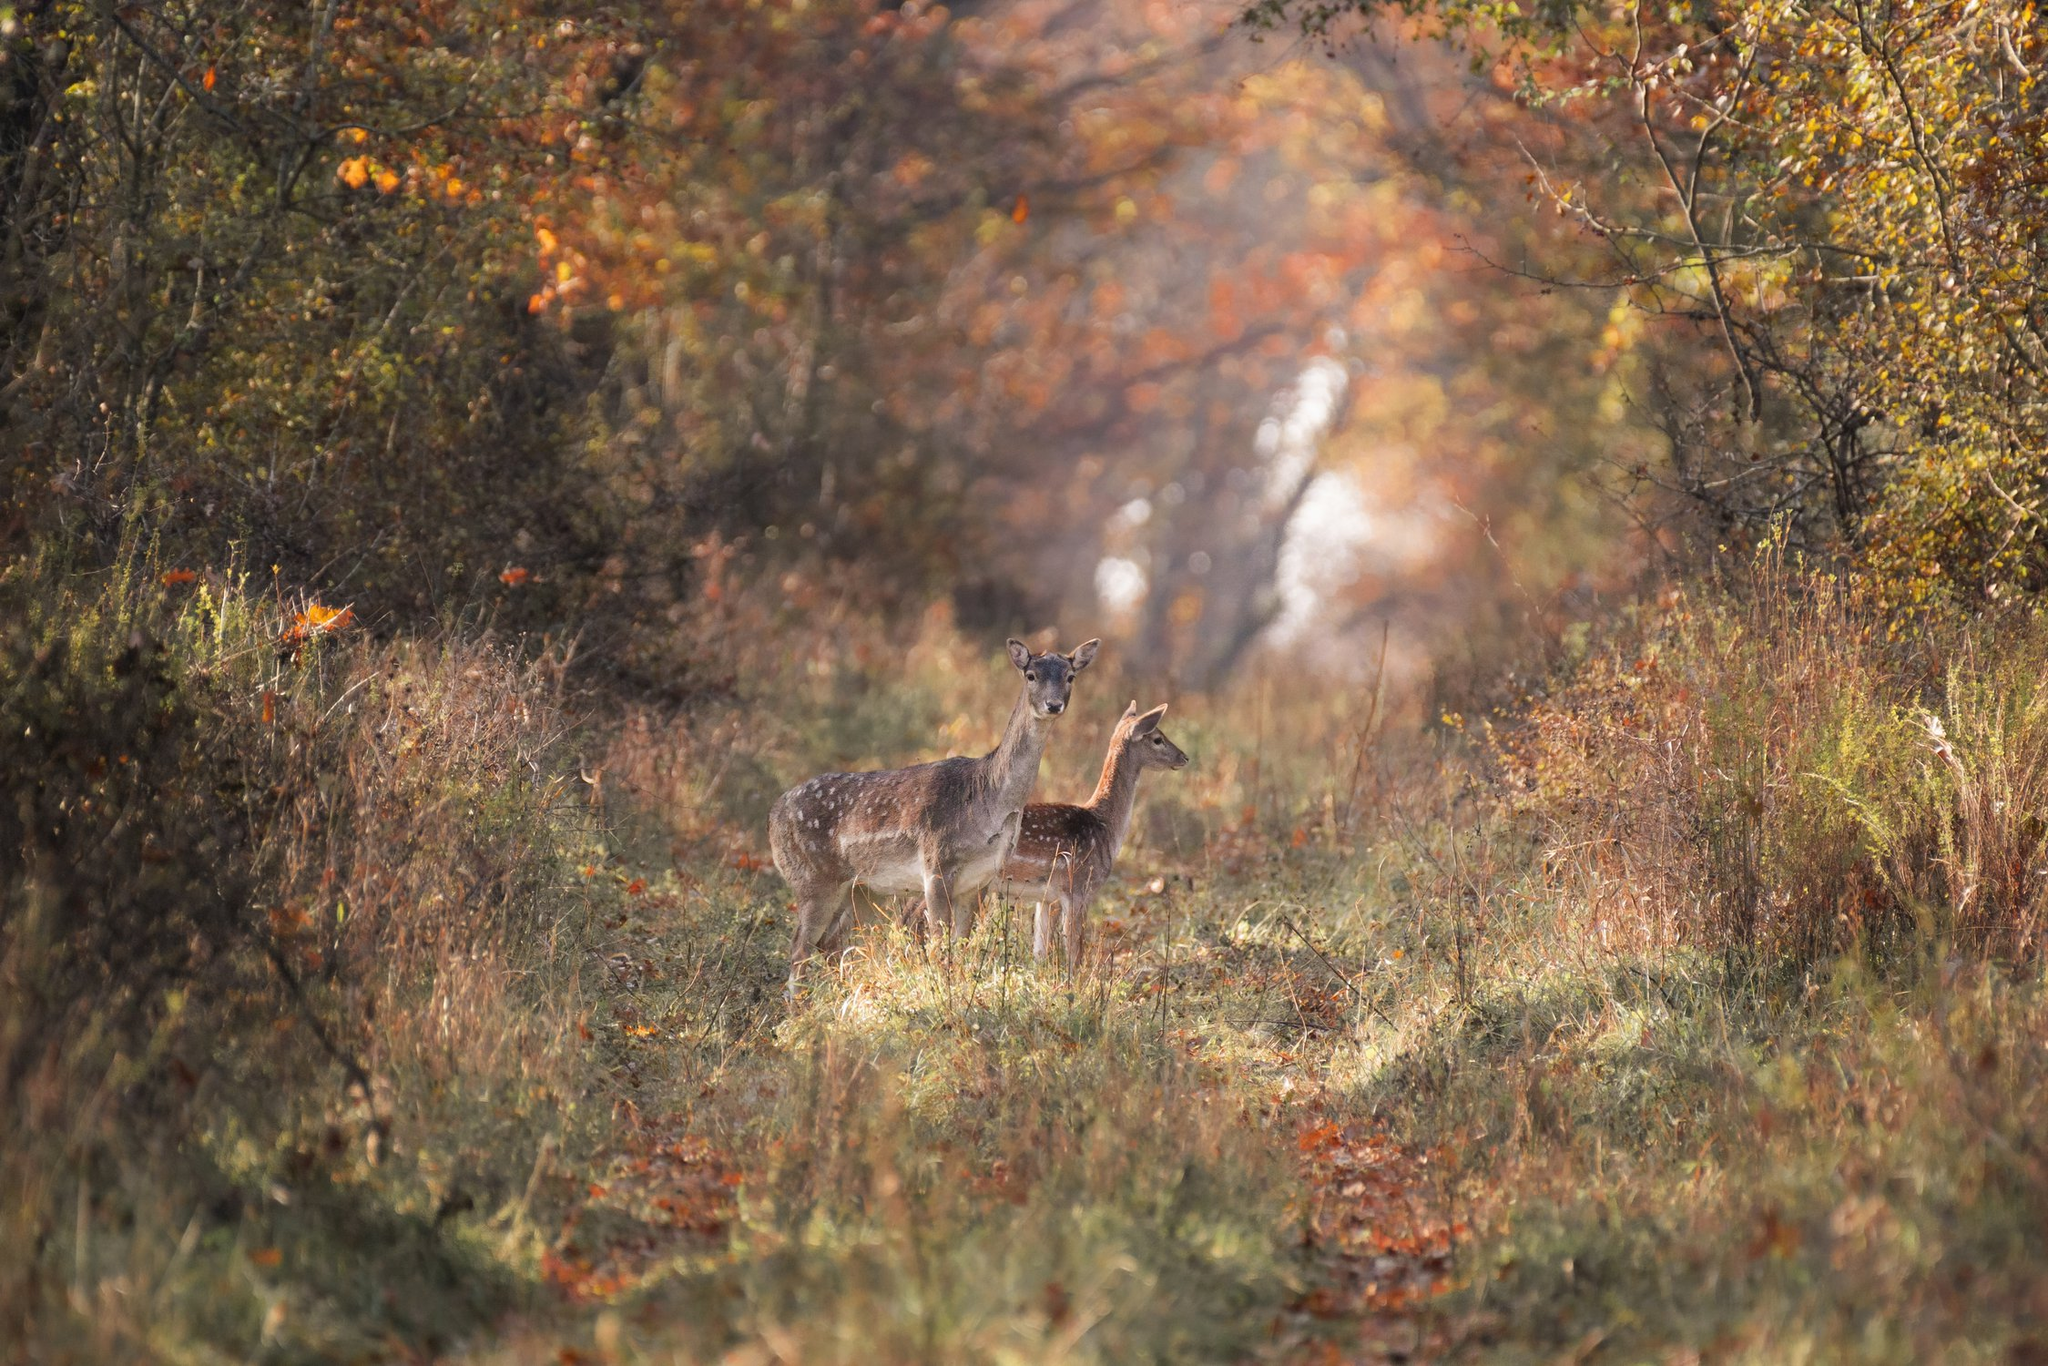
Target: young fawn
(1064, 853)
(941, 829)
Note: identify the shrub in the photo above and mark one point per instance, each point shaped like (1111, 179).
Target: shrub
(1777, 775)
(275, 911)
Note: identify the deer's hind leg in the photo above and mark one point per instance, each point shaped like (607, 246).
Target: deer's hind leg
(817, 911)
(833, 941)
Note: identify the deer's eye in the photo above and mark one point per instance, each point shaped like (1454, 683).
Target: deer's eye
(1158, 740)
(1030, 677)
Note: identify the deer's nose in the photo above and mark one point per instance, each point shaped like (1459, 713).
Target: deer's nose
(1055, 708)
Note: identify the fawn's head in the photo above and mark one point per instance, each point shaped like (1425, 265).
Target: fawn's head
(1049, 678)
(1143, 739)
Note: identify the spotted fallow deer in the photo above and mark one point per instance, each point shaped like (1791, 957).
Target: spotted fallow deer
(941, 829)
(1064, 853)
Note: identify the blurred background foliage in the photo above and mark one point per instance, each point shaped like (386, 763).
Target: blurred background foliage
(1050, 310)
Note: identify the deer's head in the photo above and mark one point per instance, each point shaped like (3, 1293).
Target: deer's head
(1049, 678)
(1148, 744)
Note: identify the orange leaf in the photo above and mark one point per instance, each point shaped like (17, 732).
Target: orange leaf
(387, 180)
(269, 706)
(318, 618)
(266, 1256)
(1022, 210)
(1320, 1136)
(515, 576)
(178, 576)
(635, 887)
(207, 80)
(354, 173)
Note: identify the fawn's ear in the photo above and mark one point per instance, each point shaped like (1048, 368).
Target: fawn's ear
(1020, 653)
(1149, 722)
(1084, 654)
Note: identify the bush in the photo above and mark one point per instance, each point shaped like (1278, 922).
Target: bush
(1777, 775)
(276, 912)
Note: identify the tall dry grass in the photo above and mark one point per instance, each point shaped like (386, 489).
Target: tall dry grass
(1778, 775)
(291, 932)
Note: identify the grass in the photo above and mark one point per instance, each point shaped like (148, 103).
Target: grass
(1695, 1019)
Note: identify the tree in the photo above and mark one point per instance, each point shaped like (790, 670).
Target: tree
(1830, 221)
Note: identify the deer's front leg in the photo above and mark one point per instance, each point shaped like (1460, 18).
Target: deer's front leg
(1041, 929)
(939, 911)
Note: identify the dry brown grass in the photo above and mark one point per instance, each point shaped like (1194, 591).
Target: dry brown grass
(291, 941)
(1780, 777)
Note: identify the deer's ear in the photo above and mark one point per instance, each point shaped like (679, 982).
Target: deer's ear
(1020, 653)
(1131, 710)
(1084, 654)
(1149, 722)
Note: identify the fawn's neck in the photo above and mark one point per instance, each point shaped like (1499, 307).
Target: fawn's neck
(1117, 791)
(1013, 764)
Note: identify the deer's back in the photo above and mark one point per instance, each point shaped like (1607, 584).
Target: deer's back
(868, 827)
(1058, 845)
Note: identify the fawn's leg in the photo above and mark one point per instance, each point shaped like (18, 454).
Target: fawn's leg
(1071, 909)
(1041, 929)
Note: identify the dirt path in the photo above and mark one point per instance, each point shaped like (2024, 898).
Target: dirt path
(1374, 1247)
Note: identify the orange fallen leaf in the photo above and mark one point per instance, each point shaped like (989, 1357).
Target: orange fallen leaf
(635, 887)
(177, 576)
(354, 173)
(206, 81)
(1320, 1136)
(266, 1256)
(515, 575)
(1022, 210)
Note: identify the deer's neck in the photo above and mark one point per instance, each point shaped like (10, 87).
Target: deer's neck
(1116, 793)
(1013, 766)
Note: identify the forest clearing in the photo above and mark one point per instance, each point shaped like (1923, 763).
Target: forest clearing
(569, 572)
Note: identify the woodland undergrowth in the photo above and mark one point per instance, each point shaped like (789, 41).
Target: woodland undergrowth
(386, 999)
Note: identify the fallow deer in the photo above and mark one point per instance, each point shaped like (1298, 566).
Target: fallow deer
(940, 829)
(1064, 853)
